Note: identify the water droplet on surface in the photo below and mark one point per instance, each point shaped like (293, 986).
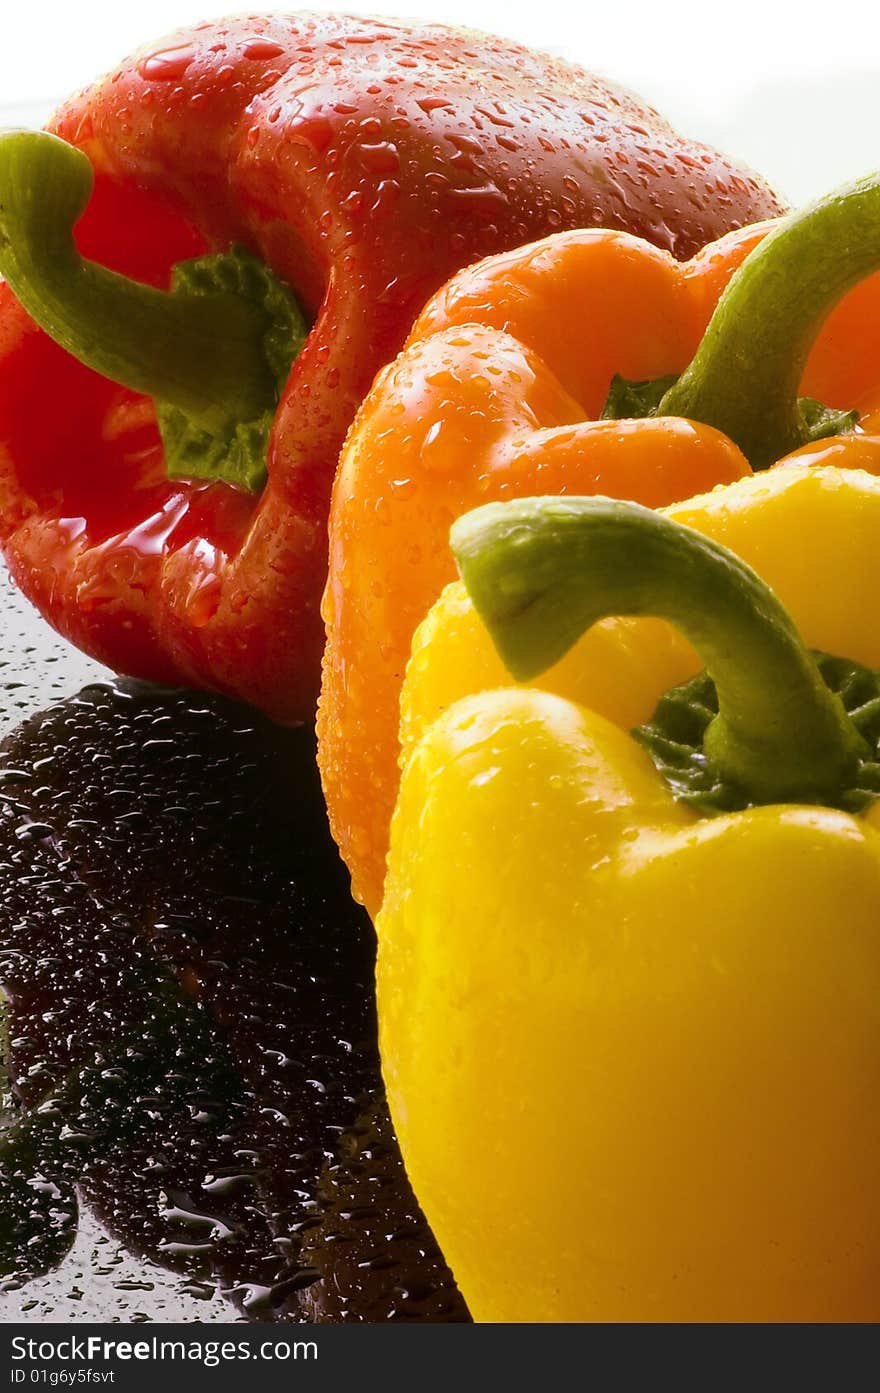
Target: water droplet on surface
(166, 65)
(186, 936)
(261, 49)
(381, 158)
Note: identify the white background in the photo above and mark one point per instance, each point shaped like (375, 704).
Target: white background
(792, 88)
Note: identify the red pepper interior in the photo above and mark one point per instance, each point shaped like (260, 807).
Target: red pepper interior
(86, 448)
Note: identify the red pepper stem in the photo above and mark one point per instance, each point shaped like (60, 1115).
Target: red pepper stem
(745, 376)
(541, 571)
(201, 353)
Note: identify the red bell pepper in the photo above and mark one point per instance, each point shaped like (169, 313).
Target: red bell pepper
(360, 163)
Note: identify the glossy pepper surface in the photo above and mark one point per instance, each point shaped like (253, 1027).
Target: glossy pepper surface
(360, 162)
(499, 394)
(629, 989)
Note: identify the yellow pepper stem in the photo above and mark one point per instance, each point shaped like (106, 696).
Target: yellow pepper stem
(541, 571)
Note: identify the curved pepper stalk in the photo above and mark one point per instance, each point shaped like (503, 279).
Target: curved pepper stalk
(745, 375)
(214, 352)
(541, 571)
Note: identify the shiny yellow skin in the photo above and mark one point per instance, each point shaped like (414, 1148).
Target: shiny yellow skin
(633, 1054)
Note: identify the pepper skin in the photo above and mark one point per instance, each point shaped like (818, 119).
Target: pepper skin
(365, 161)
(630, 1047)
(496, 396)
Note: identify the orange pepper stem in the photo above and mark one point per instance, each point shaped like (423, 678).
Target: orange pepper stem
(745, 375)
(540, 571)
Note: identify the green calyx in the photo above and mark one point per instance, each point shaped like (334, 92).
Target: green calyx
(744, 377)
(214, 351)
(236, 450)
(765, 726)
(675, 739)
(630, 400)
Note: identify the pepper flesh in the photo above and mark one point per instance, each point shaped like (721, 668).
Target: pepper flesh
(679, 1127)
(495, 397)
(365, 161)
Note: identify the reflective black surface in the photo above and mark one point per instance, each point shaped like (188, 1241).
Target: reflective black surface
(196, 1128)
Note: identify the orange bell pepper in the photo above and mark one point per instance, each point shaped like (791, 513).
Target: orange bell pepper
(497, 395)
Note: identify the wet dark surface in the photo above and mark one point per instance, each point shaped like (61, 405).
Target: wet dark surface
(196, 1128)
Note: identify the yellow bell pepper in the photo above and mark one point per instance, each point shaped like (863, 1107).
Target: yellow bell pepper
(629, 988)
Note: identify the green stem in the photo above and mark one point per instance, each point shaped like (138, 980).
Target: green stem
(745, 375)
(201, 353)
(541, 571)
